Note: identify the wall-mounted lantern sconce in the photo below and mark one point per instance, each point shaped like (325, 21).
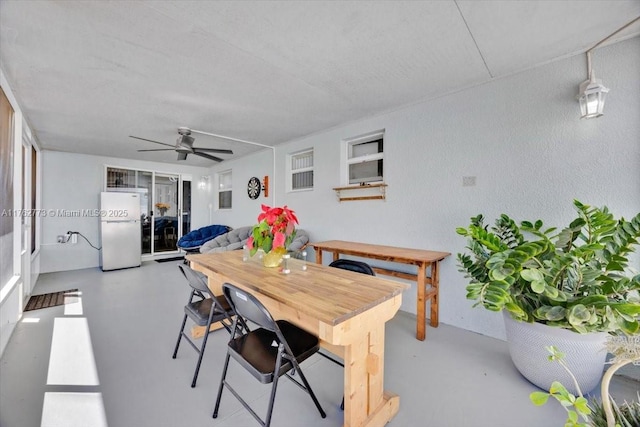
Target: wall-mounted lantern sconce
(592, 92)
(204, 180)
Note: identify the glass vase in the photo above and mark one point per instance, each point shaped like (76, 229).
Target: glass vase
(273, 258)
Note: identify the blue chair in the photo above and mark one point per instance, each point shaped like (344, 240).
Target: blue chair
(192, 241)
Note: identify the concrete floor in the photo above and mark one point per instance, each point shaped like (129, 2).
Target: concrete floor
(116, 369)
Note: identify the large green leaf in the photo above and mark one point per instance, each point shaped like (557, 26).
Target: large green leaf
(578, 314)
(532, 275)
(538, 287)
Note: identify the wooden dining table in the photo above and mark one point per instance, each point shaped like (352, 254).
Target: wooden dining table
(346, 310)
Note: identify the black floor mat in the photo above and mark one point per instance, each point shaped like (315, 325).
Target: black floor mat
(50, 300)
(177, 258)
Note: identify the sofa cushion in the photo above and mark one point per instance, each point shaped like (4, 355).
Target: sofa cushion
(229, 241)
(299, 242)
(236, 238)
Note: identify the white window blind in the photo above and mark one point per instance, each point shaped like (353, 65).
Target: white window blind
(301, 170)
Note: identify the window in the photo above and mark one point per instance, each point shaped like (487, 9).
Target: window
(224, 190)
(7, 223)
(300, 170)
(34, 176)
(121, 178)
(365, 156)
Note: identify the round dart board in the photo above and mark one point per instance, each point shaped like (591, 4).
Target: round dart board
(253, 188)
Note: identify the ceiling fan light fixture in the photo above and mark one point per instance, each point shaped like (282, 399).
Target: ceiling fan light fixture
(184, 146)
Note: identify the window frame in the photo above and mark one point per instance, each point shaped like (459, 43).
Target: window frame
(291, 171)
(219, 179)
(350, 160)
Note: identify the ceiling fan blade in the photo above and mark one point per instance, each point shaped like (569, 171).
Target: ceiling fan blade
(208, 156)
(158, 149)
(149, 140)
(182, 156)
(213, 150)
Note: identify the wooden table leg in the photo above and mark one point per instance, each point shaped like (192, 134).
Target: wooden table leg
(435, 283)
(366, 403)
(318, 256)
(421, 317)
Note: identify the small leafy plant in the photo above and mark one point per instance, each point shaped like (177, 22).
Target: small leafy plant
(577, 407)
(577, 278)
(581, 413)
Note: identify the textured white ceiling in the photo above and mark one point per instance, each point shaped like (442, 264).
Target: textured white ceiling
(88, 74)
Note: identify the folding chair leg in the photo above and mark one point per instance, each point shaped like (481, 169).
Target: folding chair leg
(274, 387)
(224, 376)
(184, 322)
(201, 353)
(311, 393)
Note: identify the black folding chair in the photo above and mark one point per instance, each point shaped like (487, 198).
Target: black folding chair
(268, 352)
(203, 308)
(353, 265)
(358, 267)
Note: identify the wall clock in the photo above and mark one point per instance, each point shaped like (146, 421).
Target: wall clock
(253, 188)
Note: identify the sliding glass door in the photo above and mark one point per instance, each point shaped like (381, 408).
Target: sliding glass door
(165, 205)
(165, 213)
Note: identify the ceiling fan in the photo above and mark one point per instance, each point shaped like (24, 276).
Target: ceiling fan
(184, 146)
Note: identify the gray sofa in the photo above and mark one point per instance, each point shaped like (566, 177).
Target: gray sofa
(237, 237)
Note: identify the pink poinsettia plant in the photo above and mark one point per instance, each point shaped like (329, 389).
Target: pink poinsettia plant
(275, 230)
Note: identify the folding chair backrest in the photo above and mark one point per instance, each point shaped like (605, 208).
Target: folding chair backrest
(196, 280)
(357, 266)
(248, 306)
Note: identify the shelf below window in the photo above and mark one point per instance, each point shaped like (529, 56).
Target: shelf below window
(362, 192)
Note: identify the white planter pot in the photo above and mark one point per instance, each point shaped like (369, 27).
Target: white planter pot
(585, 354)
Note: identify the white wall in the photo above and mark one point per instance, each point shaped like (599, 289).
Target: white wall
(74, 182)
(244, 211)
(520, 136)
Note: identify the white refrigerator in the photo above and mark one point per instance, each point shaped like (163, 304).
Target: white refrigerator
(120, 230)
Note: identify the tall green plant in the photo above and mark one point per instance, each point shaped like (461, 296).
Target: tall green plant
(576, 278)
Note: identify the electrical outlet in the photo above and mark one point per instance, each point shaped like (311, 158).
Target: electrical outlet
(74, 238)
(468, 181)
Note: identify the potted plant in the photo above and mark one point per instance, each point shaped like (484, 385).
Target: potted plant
(273, 234)
(162, 207)
(575, 283)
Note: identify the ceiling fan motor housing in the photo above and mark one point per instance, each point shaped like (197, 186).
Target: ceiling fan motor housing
(184, 144)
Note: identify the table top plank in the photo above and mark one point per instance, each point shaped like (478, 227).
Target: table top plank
(331, 295)
(381, 252)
